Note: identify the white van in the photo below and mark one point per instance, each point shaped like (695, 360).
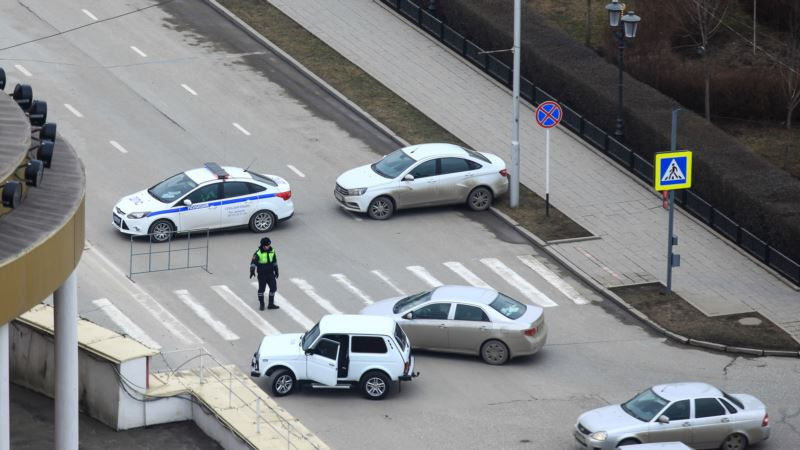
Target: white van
(341, 350)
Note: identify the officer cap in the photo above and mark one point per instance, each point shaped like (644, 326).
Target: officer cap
(266, 241)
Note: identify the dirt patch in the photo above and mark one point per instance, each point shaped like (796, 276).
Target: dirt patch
(677, 315)
(531, 215)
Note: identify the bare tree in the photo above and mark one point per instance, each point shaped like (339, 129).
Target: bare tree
(702, 19)
(790, 69)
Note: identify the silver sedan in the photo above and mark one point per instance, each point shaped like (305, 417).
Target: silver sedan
(696, 414)
(469, 320)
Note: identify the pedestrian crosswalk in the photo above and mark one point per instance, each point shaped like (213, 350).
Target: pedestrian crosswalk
(302, 303)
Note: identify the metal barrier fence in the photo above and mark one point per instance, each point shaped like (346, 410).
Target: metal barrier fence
(598, 138)
(169, 252)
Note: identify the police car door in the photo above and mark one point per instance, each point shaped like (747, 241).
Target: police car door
(236, 204)
(202, 209)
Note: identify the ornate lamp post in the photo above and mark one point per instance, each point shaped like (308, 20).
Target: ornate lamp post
(630, 23)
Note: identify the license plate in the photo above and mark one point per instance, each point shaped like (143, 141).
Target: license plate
(579, 438)
(117, 220)
(338, 196)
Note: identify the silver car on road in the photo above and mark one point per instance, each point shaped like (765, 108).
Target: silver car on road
(469, 320)
(696, 414)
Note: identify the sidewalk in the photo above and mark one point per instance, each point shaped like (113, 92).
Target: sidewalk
(715, 276)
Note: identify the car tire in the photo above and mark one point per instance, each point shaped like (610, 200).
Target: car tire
(375, 385)
(282, 382)
(480, 199)
(262, 221)
(381, 208)
(628, 442)
(495, 352)
(161, 230)
(736, 441)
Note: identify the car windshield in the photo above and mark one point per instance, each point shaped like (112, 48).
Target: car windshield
(393, 164)
(645, 405)
(309, 337)
(508, 307)
(411, 301)
(172, 188)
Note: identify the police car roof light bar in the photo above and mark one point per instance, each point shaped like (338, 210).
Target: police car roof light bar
(217, 170)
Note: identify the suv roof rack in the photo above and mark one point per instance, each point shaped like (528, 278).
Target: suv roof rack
(217, 170)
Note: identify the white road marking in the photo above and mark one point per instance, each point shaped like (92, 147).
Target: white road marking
(522, 285)
(553, 279)
(88, 13)
(289, 309)
(204, 314)
(294, 169)
(251, 315)
(352, 288)
(424, 275)
(160, 315)
(141, 53)
(116, 145)
(466, 274)
(312, 293)
(241, 128)
(190, 90)
(73, 110)
(126, 324)
(23, 70)
(388, 281)
(596, 261)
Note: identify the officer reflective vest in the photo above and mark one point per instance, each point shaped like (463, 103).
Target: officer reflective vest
(265, 257)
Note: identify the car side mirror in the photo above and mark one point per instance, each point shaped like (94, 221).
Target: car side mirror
(408, 316)
(408, 177)
(663, 419)
(187, 202)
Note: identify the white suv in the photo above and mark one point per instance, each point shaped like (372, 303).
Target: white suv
(341, 350)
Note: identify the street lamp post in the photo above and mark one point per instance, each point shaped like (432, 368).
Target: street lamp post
(630, 23)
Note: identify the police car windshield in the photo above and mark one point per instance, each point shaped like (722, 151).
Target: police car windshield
(393, 164)
(172, 188)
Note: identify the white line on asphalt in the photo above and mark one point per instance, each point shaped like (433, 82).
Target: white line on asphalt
(116, 145)
(241, 128)
(466, 274)
(553, 279)
(141, 53)
(88, 13)
(312, 293)
(522, 285)
(596, 261)
(388, 281)
(73, 110)
(355, 217)
(161, 315)
(424, 275)
(294, 169)
(23, 70)
(126, 324)
(351, 287)
(204, 314)
(289, 309)
(239, 305)
(190, 90)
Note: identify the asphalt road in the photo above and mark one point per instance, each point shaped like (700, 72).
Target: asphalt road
(175, 86)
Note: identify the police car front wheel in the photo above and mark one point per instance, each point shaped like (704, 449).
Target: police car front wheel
(262, 221)
(161, 230)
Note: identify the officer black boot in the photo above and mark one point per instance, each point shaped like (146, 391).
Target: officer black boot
(272, 304)
(261, 302)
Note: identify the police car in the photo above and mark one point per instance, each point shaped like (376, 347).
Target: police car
(205, 198)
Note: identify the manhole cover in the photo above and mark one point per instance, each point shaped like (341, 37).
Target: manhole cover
(750, 321)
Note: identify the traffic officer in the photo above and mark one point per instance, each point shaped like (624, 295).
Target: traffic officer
(265, 261)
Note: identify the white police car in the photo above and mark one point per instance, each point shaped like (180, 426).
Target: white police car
(208, 197)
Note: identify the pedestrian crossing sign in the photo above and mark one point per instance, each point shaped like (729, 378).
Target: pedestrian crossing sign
(673, 170)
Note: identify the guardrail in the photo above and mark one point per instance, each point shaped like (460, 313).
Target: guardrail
(599, 139)
(170, 251)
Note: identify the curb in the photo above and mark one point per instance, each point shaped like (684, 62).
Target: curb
(607, 293)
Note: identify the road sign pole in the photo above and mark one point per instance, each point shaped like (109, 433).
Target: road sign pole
(514, 191)
(547, 173)
(670, 237)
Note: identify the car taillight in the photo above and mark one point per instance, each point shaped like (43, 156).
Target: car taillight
(530, 331)
(406, 366)
(765, 422)
(504, 172)
(285, 195)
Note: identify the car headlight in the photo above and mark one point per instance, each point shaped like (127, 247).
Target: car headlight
(599, 435)
(138, 215)
(357, 191)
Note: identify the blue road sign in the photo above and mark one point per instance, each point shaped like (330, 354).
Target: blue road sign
(673, 170)
(548, 114)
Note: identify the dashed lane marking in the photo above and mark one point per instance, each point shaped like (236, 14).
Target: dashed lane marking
(89, 13)
(188, 89)
(241, 128)
(294, 169)
(141, 53)
(22, 70)
(73, 110)
(116, 145)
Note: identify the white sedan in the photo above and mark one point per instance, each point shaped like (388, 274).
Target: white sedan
(206, 198)
(423, 175)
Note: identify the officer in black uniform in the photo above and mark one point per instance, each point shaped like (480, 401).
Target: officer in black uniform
(266, 263)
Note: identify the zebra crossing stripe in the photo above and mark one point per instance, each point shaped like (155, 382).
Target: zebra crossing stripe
(522, 285)
(388, 281)
(352, 288)
(309, 291)
(205, 315)
(553, 279)
(424, 275)
(126, 324)
(290, 310)
(466, 274)
(239, 305)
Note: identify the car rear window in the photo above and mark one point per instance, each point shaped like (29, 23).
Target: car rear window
(733, 400)
(508, 307)
(400, 336)
(411, 301)
(476, 155)
(263, 179)
(367, 344)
